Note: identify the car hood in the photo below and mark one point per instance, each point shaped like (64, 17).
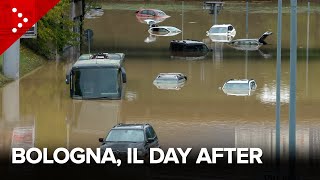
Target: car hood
(122, 146)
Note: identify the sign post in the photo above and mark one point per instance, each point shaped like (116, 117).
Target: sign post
(11, 57)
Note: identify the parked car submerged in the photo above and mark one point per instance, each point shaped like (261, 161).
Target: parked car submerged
(163, 30)
(188, 49)
(170, 81)
(151, 13)
(222, 30)
(239, 87)
(250, 44)
(124, 136)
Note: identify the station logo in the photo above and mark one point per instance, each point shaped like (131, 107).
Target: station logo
(18, 16)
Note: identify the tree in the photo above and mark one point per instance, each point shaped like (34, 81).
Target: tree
(55, 31)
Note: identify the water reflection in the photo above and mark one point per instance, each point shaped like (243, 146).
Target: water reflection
(268, 93)
(11, 102)
(88, 120)
(94, 13)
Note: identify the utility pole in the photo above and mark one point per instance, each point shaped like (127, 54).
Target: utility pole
(182, 14)
(293, 73)
(278, 97)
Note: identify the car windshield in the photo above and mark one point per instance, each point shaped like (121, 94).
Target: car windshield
(84, 57)
(236, 86)
(96, 83)
(161, 13)
(219, 30)
(173, 29)
(160, 31)
(167, 78)
(126, 135)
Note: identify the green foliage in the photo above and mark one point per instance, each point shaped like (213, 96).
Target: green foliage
(55, 31)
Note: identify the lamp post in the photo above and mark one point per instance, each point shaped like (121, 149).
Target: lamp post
(293, 73)
(278, 105)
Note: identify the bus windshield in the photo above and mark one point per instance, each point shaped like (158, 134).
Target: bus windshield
(95, 83)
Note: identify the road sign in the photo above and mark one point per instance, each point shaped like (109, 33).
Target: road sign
(31, 33)
(88, 34)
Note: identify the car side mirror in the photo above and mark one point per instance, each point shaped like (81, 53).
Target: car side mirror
(100, 139)
(207, 32)
(124, 75)
(150, 140)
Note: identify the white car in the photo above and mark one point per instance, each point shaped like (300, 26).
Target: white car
(170, 81)
(222, 30)
(164, 31)
(239, 87)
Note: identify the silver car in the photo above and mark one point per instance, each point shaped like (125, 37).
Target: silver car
(173, 81)
(239, 87)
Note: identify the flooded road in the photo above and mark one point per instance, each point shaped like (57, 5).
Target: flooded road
(199, 114)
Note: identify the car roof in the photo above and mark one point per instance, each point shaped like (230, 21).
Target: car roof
(239, 80)
(221, 25)
(130, 126)
(166, 27)
(169, 74)
(149, 9)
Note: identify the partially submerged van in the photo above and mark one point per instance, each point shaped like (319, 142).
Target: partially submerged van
(100, 77)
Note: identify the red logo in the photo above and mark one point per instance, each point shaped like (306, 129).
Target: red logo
(18, 16)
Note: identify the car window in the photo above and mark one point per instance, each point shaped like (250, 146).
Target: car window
(176, 47)
(144, 12)
(218, 30)
(230, 28)
(151, 13)
(161, 13)
(237, 86)
(252, 85)
(150, 132)
(153, 133)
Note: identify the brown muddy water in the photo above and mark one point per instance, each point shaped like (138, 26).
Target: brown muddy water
(37, 110)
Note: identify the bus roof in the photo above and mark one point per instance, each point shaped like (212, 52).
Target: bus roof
(98, 63)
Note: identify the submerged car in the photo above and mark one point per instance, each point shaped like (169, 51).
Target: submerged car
(250, 44)
(239, 87)
(151, 13)
(170, 81)
(100, 77)
(163, 30)
(155, 14)
(124, 136)
(222, 30)
(188, 49)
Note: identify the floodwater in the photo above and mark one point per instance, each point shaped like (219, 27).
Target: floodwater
(37, 110)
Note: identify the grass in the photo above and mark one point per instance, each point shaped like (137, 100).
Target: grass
(254, 7)
(28, 62)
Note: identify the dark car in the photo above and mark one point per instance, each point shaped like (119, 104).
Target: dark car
(188, 49)
(124, 136)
